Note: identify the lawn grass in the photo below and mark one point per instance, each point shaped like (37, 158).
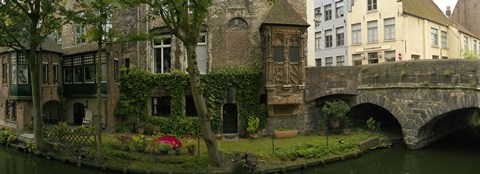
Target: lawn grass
(261, 148)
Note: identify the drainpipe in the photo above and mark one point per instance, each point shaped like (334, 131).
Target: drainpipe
(138, 30)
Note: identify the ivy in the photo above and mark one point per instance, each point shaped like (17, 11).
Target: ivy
(136, 89)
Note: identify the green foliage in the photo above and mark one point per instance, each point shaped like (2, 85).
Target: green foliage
(336, 110)
(5, 135)
(31, 146)
(109, 151)
(136, 89)
(448, 73)
(139, 143)
(176, 125)
(164, 148)
(470, 54)
(371, 124)
(253, 123)
(314, 150)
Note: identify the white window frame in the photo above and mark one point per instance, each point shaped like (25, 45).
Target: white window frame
(389, 28)
(357, 33)
(318, 40)
(434, 36)
(339, 9)
(372, 31)
(444, 37)
(161, 46)
(371, 5)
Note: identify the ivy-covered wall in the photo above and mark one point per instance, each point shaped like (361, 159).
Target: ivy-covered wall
(247, 82)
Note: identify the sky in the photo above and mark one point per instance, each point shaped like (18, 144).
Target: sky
(442, 4)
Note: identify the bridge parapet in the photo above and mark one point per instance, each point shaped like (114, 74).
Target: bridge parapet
(456, 73)
(324, 81)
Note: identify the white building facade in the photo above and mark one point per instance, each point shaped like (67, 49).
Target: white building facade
(331, 43)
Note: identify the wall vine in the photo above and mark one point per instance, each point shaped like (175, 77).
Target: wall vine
(136, 89)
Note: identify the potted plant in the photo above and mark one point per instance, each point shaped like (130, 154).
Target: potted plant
(371, 124)
(164, 148)
(336, 111)
(191, 149)
(285, 133)
(139, 143)
(252, 126)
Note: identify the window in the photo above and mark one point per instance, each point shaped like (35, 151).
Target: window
(434, 37)
(444, 39)
(127, 62)
(372, 5)
(357, 59)
(278, 48)
(434, 57)
(202, 51)
(318, 16)
(318, 40)
(318, 62)
(19, 69)
(328, 61)
(115, 69)
(328, 12)
(328, 39)
(415, 57)
(162, 52)
(5, 73)
(340, 60)
(79, 31)
(356, 34)
(190, 109)
(45, 72)
(55, 72)
(161, 106)
(474, 46)
(108, 25)
(389, 56)
(372, 31)
(444, 57)
(78, 75)
(389, 28)
(339, 9)
(372, 58)
(465, 43)
(340, 37)
(104, 68)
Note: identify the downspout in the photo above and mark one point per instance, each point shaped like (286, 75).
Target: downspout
(148, 41)
(138, 30)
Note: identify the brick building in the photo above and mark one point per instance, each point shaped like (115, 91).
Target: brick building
(231, 36)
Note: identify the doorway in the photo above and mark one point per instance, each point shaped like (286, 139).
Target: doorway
(230, 118)
(78, 113)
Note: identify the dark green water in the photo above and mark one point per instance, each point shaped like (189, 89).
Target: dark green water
(15, 162)
(456, 154)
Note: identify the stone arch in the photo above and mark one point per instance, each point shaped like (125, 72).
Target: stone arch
(237, 23)
(385, 103)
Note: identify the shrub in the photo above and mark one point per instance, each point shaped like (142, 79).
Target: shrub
(164, 148)
(336, 110)
(371, 124)
(253, 124)
(139, 143)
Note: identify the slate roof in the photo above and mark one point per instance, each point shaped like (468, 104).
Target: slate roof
(425, 9)
(282, 13)
(47, 45)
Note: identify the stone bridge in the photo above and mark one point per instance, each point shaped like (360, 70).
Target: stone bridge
(429, 98)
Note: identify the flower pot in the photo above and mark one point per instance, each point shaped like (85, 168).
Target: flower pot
(286, 133)
(191, 151)
(253, 135)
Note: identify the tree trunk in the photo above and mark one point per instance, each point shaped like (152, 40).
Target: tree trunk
(99, 96)
(37, 112)
(214, 157)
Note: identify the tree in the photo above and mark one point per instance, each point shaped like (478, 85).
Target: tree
(469, 54)
(23, 27)
(97, 17)
(185, 18)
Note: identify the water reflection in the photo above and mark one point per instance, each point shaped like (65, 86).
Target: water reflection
(458, 153)
(14, 162)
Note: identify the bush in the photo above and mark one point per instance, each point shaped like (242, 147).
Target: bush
(7, 136)
(336, 110)
(253, 123)
(164, 148)
(176, 125)
(371, 124)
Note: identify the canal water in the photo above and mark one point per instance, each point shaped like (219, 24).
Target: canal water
(456, 154)
(15, 162)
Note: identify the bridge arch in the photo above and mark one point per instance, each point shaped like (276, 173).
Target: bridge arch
(386, 122)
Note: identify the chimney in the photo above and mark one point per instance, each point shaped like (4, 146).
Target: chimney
(448, 12)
